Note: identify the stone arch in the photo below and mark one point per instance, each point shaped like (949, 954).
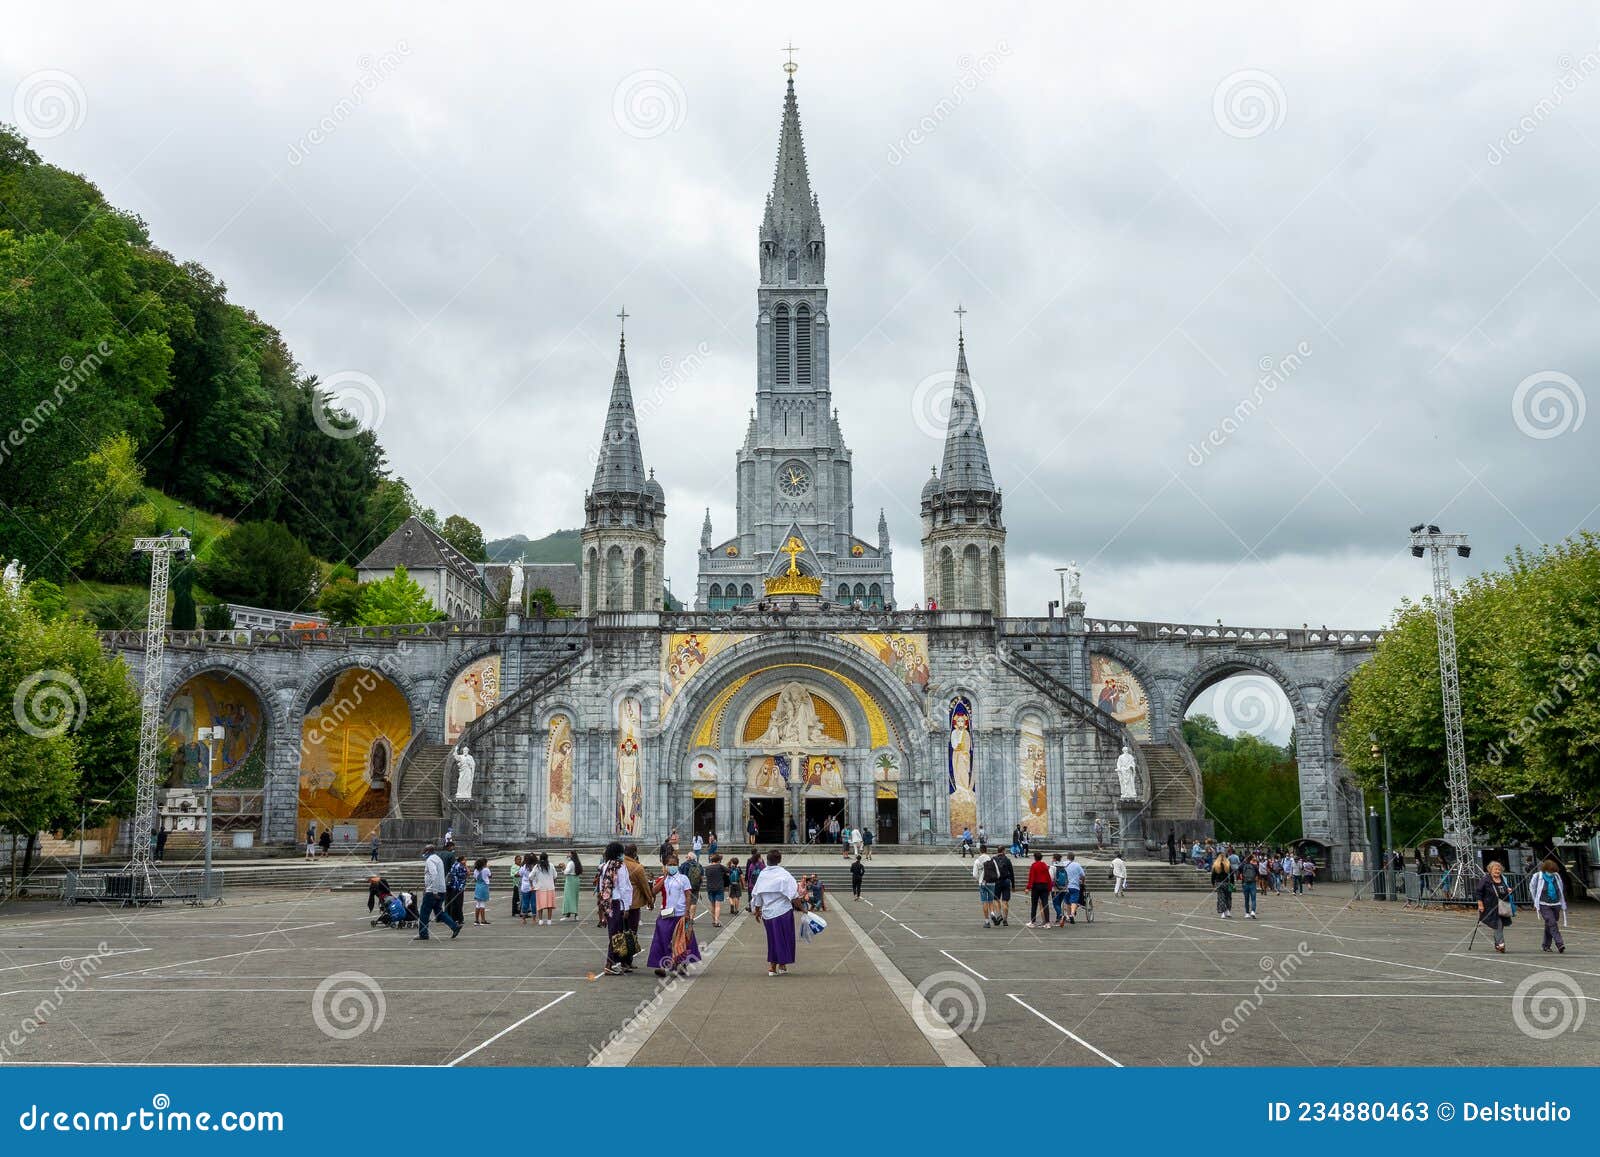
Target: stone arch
(1219, 667)
(272, 714)
(306, 687)
(766, 683)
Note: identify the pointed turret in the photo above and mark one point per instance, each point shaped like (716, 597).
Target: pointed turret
(963, 533)
(705, 533)
(624, 513)
(619, 468)
(966, 459)
(883, 532)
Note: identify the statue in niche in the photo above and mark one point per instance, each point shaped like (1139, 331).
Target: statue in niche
(794, 723)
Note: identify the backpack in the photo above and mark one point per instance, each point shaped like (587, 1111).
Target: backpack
(694, 872)
(1061, 876)
(1550, 887)
(991, 874)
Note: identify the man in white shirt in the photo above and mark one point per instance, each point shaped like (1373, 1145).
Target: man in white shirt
(433, 895)
(986, 873)
(1119, 874)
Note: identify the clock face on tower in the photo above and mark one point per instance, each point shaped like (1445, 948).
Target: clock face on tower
(794, 480)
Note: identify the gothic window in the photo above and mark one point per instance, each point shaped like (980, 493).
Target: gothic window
(860, 593)
(971, 576)
(747, 592)
(875, 597)
(794, 266)
(613, 592)
(802, 347)
(780, 349)
(714, 597)
(947, 578)
(639, 584)
(594, 580)
(844, 592)
(994, 579)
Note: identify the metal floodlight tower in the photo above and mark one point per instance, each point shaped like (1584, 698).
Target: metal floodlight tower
(161, 551)
(1429, 539)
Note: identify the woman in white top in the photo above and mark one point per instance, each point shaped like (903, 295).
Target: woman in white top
(673, 947)
(772, 898)
(544, 889)
(525, 888)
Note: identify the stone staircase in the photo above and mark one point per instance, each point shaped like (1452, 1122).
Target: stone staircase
(422, 781)
(1172, 788)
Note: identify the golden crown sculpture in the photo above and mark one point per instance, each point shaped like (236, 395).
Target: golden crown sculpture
(792, 582)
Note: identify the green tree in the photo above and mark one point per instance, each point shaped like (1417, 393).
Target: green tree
(262, 564)
(73, 731)
(1252, 788)
(540, 600)
(465, 535)
(395, 600)
(184, 617)
(1530, 693)
(217, 617)
(341, 601)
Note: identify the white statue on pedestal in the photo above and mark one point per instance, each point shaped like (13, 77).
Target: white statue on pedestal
(1128, 774)
(514, 599)
(1074, 583)
(466, 769)
(13, 578)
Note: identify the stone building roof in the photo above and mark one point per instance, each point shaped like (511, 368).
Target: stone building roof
(417, 546)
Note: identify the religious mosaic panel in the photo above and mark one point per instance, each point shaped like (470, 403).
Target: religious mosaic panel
(768, 776)
(558, 776)
(824, 776)
(630, 788)
(906, 656)
(886, 775)
(1113, 687)
(212, 699)
(1033, 775)
(682, 656)
(474, 691)
(354, 732)
(963, 787)
(793, 719)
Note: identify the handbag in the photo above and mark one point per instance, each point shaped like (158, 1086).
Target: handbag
(1504, 909)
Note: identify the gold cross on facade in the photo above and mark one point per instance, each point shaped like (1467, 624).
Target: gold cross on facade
(794, 548)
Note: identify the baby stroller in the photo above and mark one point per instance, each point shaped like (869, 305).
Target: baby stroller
(1085, 901)
(397, 910)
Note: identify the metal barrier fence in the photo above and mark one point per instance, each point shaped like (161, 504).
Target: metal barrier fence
(1425, 888)
(184, 886)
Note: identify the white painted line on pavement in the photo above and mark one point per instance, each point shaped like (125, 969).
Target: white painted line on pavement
(1542, 966)
(509, 1028)
(1419, 967)
(186, 963)
(968, 967)
(1218, 931)
(56, 960)
(272, 931)
(1066, 1031)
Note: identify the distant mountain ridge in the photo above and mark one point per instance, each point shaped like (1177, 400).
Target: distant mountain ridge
(560, 546)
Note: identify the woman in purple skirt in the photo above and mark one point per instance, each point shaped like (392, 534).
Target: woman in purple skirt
(673, 947)
(772, 899)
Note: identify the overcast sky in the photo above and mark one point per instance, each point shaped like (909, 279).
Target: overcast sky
(1395, 206)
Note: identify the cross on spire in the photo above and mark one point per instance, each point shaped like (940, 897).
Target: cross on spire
(961, 320)
(622, 316)
(790, 66)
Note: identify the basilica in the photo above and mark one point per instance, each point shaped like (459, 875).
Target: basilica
(798, 688)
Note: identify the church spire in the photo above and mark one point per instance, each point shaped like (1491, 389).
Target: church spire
(792, 239)
(966, 459)
(620, 465)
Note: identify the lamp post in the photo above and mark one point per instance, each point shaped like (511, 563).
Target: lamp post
(211, 736)
(1388, 827)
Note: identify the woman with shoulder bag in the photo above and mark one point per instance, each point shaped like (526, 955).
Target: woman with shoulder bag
(1495, 906)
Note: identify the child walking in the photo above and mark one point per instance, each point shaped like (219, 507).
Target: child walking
(480, 892)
